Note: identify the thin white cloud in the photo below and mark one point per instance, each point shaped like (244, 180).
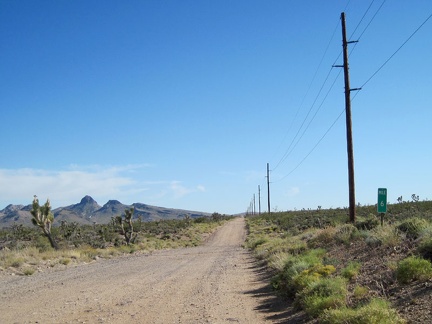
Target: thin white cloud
(253, 176)
(178, 190)
(64, 186)
(109, 169)
(293, 191)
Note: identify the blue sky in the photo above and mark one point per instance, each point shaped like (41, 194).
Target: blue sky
(182, 104)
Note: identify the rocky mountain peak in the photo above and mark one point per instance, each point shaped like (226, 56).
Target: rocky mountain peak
(87, 200)
(112, 203)
(86, 207)
(12, 208)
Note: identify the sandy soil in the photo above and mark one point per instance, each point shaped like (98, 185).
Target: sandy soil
(219, 282)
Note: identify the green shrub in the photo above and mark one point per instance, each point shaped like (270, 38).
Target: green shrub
(312, 275)
(304, 279)
(367, 223)
(297, 248)
(385, 236)
(413, 268)
(324, 237)
(373, 240)
(351, 270)
(17, 262)
(294, 266)
(346, 233)
(255, 242)
(314, 256)
(326, 293)
(88, 253)
(425, 243)
(273, 246)
(278, 260)
(377, 311)
(284, 281)
(65, 261)
(28, 271)
(360, 292)
(413, 227)
(425, 248)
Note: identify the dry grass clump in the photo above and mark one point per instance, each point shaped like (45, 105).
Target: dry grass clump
(323, 237)
(387, 236)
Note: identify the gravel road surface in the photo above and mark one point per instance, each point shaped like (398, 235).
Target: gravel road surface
(218, 282)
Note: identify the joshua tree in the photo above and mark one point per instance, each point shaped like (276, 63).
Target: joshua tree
(43, 218)
(126, 226)
(188, 219)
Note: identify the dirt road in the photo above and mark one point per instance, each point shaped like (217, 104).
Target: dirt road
(215, 283)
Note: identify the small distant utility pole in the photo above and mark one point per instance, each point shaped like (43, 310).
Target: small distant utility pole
(268, 188)
(259, 200)
(350, 149)
(254, 209)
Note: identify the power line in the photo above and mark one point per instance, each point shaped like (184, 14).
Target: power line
(289, 150)
(313, 117)
(304, 97)
(372, 19)
(313, 149)
(367, 81)
(364, 15)
(400, 47)
(367, 26)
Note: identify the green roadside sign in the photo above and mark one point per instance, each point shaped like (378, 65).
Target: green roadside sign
(382, 200)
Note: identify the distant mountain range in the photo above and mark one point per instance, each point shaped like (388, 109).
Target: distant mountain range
(88, 211)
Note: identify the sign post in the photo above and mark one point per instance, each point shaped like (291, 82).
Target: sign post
(382, 203)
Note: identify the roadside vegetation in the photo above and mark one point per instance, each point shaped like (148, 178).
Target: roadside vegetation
(25, 250)
(337, 272)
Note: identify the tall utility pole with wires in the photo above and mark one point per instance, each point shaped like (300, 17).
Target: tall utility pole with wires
(268, 188)
(350, 149)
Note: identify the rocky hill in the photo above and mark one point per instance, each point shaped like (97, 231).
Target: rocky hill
(88, 211)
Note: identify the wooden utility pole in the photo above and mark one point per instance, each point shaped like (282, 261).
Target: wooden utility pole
(254, 209)
(259, 200)
(268, 188)
(350, 149)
